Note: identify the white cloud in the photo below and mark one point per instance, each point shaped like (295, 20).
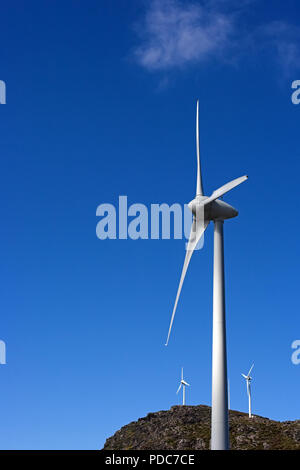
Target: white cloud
(284, 40)
(175, 34)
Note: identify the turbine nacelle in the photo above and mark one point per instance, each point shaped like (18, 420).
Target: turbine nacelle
(214, 210)
(183, 382)
(247, 378)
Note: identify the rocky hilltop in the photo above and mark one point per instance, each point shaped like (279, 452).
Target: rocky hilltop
(188, 428)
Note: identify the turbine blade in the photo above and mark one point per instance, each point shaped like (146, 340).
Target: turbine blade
(245, 376)
(199, 189)
(250, 370)
(179, 388)
(185, 383)
(197, 231)
(225, 188)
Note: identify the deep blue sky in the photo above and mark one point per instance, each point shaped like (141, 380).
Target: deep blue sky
(90, 117)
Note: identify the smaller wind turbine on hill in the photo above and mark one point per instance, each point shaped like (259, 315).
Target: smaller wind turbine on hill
(248, 379)
(183, 384)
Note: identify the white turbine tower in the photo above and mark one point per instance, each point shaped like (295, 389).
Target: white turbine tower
(183, 384)
(206, 209)
(248, 381)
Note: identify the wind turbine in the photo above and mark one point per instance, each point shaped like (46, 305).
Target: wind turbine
(206, 209)
(248, 381)
(183, 384)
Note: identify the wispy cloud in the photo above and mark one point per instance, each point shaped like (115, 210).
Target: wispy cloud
(284, 40)
(174, 34)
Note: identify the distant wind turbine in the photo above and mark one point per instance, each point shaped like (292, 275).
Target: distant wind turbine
(248, 381)
(183, 384)
(206, 209)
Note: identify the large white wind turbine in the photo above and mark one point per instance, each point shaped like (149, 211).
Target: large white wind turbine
(248, 381)
(183, 384)
(206, 209)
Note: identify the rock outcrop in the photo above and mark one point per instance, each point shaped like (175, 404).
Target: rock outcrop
(188, 428)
